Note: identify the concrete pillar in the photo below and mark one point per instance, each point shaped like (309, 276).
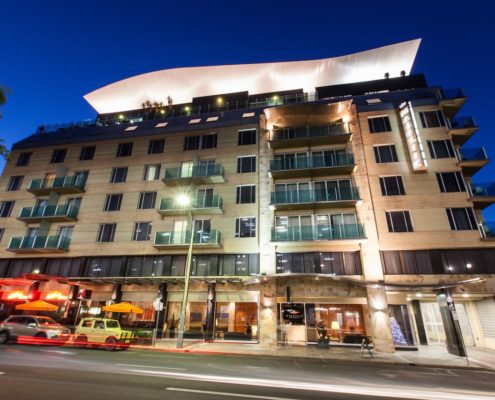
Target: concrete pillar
(380, 321)
(268, 314)
(454, 340)
(210, 312)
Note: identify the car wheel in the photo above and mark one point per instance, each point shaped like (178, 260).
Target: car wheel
(4, 337)
(110, 344)
(81, 341)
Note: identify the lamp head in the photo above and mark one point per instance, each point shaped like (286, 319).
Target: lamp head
(183, 200)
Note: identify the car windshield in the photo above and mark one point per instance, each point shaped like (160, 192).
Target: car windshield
(112, 324)
(45, 321)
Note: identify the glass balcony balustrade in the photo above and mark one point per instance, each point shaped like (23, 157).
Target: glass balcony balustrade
(313, 196)
(320, 232)
(310, 135)
(53, 212)
(302, 165)
(183, 238)
(200, 204)
(471, 160)
(39, 243)
(210, 173)
(63, 185)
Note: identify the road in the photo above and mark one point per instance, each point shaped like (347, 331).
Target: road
(38, 372)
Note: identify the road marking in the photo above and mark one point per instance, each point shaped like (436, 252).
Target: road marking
(163, 356)
(150, 366)
(250, 396)
(257, 367)
(381, 391)
(59, 352)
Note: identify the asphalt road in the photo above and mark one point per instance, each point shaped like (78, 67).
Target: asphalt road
(36, 372)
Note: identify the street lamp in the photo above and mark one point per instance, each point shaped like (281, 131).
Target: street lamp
(185, 201)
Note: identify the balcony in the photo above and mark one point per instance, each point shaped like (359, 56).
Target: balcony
(452, 101)
(306, 136)
(311, 199)
(482, 194)
(195, 174)
(39, 244)
(487, 230)
(182, 239)
(471, 160)
(312, 166)
(53, 213)
(461, 129)
(308, 233)
(61, 185)
(200, 205)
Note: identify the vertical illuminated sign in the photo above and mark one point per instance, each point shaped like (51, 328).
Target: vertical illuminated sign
(413, 139)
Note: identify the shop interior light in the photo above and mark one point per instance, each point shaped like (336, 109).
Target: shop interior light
(469, 265)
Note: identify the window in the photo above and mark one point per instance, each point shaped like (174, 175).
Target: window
(58, 156)
(6, 208)
(379, 124)
(14, 183)
(246, 164)
(245, 227)
(124, 149)
(451, 182)
(461, 219)
(246, 194)
(200, 142)
(106, 233)
(392, 186)
(113, 202)
(247, 137)
(441, 148)
(23, 159)
(119, 175)
(87, 153)
(151, 172)
(156, 146)
(399, 221)
(385, 154)
(432, 119)
(146, 200)
(2, 230)
(142, 231)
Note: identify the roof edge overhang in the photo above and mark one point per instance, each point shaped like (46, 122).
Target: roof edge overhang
(184, 84)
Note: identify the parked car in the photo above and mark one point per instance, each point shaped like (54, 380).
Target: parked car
(36, 326)
(102, 332)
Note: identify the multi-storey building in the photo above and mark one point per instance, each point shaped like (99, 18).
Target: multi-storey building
(334, 190)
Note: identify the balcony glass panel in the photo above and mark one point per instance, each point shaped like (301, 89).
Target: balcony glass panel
(184, 237)
(320, 232)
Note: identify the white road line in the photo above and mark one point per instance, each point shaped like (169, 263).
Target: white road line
(150, 366)
(257, 367)
(249, 396)
(382, 391)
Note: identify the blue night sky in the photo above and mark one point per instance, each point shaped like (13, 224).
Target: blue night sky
(52, 53)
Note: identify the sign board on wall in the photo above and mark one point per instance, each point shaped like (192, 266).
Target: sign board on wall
(413, 139)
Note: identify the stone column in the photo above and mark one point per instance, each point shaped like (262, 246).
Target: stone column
(268, 314)
(380, 321)
(210, 312)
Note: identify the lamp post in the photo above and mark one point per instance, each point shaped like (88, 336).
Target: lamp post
(185, 201)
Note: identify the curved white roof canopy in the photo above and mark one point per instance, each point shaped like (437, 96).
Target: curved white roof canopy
(182, 84)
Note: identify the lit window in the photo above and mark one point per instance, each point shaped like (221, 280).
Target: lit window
(161, 125)
(131, 128)
(195, 121)
(211, 119)
(248, 114)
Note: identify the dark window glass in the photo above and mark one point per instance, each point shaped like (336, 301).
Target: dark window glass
(6, 208)
(2, 231)
(146, 200)
(461, 219)
(106, 233)
(209, 141)
(119, 175)
(200, 142)
(432, 119)
(247, 137)
(24, 159)
(246, 164)
(156, 146)
(441, 148)
(151, 172)
(399, 221)
(379, 124)
(124, 149)
(87, 153)
(385, 154)
(113, 202)
(450, 182)
(191, 142)
(58, 156)
(142, 231)
(246, 194)
(392, 186)
(14, 183)
(245, 227)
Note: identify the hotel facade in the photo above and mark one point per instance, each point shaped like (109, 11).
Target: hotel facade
(337, 190)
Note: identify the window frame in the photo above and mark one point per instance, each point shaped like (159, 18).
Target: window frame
(143, 198)
(252, 194)
(373, 128)
(15, 183)
(407, 221)
(449, 146)
(378, 155)
(136, 232)
(3, 207)
(471, 218)
(238, 228)
(440, 119)
(243, 132)
(21, 160)
(108, 201)
(153, 143)
(114, 174)
(101, 232)
(459, 178)
(58, 156)
(158, 167)
(124, 149)
(84, 156)
(399, 183)
(252, 164)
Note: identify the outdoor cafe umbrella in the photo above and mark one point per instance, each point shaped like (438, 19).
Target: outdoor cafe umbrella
(123, 307)
(38, 305)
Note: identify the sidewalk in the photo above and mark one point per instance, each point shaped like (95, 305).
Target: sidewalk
(431, 355)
